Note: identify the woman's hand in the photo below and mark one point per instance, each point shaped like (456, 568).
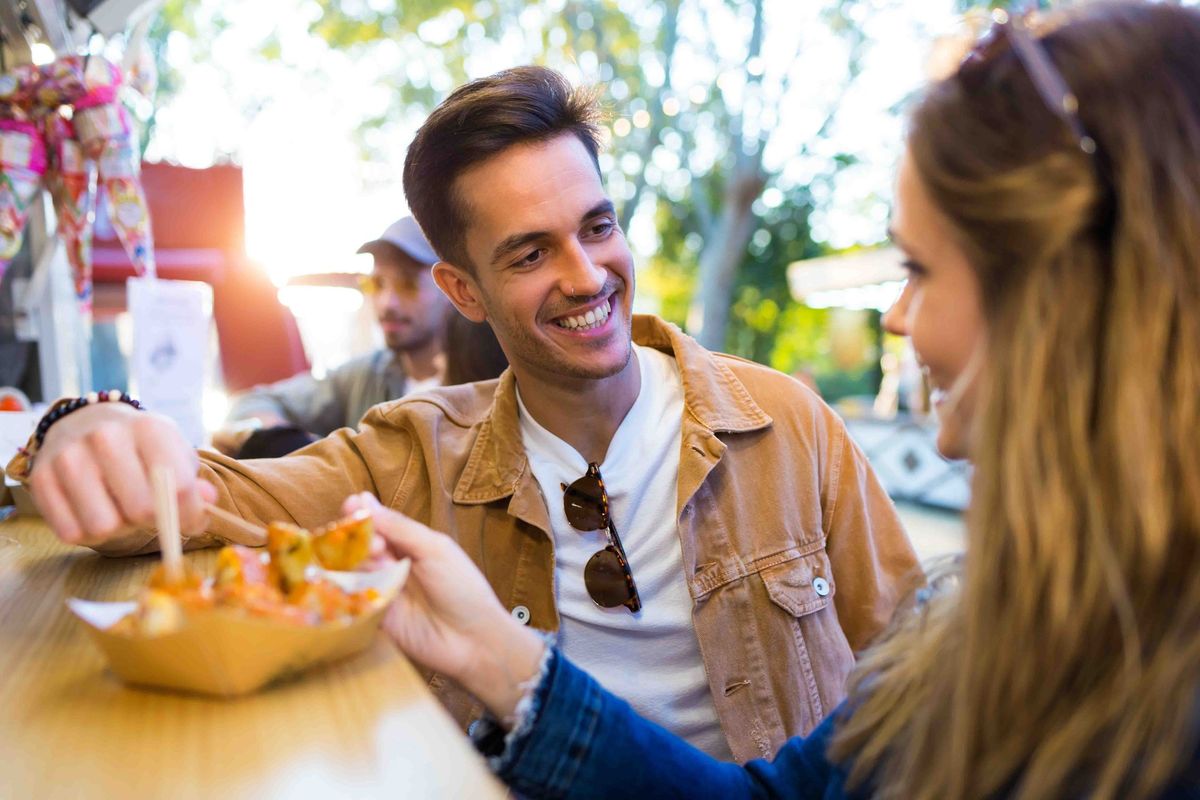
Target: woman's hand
(448, 619)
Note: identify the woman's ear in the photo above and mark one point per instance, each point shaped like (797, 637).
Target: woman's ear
(460, 286)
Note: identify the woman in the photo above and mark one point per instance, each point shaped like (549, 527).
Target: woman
(1049, 205)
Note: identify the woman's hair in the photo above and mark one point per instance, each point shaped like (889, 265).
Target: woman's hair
(472, 351)
(1067, 662)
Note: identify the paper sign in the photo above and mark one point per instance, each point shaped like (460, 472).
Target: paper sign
(171, 322)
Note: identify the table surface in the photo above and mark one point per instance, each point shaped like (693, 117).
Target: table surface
(364, 727)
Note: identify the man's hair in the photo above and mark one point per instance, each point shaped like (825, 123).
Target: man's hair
(524, 105)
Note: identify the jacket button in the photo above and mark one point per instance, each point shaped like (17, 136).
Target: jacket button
(821, 586)
(521, 614)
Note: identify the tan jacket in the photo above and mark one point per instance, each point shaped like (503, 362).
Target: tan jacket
(773, 495)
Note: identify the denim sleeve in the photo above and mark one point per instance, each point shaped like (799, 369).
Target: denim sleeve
(587, 743)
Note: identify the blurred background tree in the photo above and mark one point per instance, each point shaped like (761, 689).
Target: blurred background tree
(726, 142)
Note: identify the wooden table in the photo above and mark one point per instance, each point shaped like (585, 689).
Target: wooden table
(365, 727)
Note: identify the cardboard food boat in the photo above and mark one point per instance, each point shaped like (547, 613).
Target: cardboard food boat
(226, 652)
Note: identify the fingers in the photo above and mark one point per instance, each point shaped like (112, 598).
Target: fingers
(91, 477)
(159, 442)
(87, 497)
(363, 501)
(123, 474)
(52, 503)
(403, 536)
(208, 492)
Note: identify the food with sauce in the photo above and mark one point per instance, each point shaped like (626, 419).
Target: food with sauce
(284, 583)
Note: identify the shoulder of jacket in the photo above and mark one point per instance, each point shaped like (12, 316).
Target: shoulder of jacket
(464, 405)
(779, 394)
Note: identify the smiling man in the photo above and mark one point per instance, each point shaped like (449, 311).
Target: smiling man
(699, 530)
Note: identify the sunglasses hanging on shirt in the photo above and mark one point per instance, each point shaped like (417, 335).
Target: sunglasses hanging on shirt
(607, 576)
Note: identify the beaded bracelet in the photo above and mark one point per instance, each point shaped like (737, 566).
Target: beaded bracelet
(64, 407)
(22, 463)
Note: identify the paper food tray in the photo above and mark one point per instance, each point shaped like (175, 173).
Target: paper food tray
(224, 652)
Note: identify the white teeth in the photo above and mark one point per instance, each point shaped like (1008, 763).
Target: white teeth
(592, 319)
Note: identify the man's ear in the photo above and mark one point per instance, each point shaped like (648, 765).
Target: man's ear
(461, 287)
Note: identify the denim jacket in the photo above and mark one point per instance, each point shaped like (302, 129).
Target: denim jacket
(585, 743)
(579, 742)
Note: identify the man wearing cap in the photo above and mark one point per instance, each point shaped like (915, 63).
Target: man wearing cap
(411, 311)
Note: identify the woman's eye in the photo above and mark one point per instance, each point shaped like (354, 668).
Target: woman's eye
(914, 270)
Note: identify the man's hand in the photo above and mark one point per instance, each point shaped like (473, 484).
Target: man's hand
(447, 617)
(230, 438)
(91, 477)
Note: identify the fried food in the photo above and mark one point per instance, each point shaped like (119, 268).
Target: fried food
(344, 544)
(291, 555)
(281, 584)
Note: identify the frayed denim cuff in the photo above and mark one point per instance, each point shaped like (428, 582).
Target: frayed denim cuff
(545, 761)
(497, 739)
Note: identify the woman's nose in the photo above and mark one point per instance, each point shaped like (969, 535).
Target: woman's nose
(895, 319)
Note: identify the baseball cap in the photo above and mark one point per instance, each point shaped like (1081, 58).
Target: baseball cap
(406, 235)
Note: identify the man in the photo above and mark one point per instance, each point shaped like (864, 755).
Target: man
(743, 548)
(411, 312)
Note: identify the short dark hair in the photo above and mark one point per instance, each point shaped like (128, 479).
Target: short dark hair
(478, 120)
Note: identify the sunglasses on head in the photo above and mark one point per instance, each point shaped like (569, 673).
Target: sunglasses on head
(1010, 31)
(607, 576)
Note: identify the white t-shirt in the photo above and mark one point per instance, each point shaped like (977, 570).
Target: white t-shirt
(652, 658)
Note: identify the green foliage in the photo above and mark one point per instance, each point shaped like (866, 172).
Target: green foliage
(670, 276)
(658, 128)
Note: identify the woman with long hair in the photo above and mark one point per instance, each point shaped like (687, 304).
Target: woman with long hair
(1049, 206)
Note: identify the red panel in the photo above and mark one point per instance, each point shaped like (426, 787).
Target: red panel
(198, 220)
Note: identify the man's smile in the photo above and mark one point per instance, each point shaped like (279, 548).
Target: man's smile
(587, 318)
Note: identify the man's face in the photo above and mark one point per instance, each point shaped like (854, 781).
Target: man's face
(408, 304)
(554, 271)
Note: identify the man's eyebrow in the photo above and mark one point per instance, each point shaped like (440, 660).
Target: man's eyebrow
(519, 240)
(605, 206)
(514, 242)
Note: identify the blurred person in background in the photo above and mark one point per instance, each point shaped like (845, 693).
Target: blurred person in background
(757, 551)
(472, 351)
(1047, 206)
(412, 314)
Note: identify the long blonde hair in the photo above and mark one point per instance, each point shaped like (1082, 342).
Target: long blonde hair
(1067, 662)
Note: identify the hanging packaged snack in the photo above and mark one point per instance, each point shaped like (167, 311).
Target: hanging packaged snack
(72, 183)
(19, 86)
(103, 127)
(22, 165)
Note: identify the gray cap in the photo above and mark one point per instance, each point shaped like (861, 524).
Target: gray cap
(405, 235)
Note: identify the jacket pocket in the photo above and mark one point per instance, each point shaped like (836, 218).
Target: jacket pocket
(802, 591)
(802, 585)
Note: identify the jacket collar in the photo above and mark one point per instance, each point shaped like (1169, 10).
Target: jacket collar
(712, 395)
